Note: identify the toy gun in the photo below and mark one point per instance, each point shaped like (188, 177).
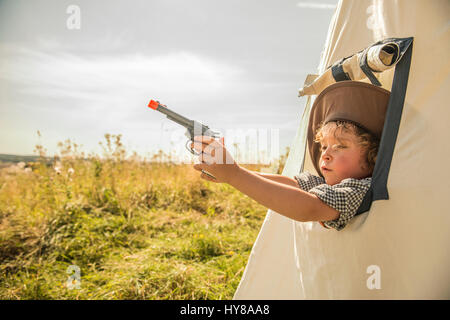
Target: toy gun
(194, 128)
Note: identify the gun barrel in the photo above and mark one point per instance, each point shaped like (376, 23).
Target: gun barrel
(172, 115)
(190, 125)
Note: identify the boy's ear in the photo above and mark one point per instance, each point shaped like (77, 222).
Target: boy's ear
(364, 162)
(365, 165)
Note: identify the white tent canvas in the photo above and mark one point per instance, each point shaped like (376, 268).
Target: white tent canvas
(399, 249)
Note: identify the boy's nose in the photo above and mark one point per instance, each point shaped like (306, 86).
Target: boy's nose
(326, 155)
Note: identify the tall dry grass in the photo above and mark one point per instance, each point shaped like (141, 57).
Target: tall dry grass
(136, 229)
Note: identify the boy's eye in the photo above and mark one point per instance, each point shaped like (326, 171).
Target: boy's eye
(334, 147)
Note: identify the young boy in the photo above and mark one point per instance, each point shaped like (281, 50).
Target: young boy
(345, 126)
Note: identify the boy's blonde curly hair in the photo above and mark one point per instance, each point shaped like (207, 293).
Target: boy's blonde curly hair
(366, 140)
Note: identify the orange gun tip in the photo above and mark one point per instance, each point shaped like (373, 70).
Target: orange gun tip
(153, 104)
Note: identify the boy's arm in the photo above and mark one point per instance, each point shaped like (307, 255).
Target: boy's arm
(278, 178)
(285, 199)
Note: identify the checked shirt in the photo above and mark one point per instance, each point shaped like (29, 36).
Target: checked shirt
(345, 197)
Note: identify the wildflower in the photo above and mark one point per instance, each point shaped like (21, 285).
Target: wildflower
(70, 171)
(57, 167)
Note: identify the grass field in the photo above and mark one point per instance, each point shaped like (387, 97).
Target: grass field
(135, 229)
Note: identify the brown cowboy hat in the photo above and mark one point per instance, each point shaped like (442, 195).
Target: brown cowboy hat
(358, 102)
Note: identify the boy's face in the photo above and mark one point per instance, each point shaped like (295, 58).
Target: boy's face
(342, 157)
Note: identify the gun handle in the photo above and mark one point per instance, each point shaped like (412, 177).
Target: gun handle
(209, 175)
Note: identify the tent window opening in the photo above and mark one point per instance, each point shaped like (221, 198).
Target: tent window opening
(380, 56)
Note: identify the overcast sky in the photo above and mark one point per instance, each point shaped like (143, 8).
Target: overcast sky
(230, 64)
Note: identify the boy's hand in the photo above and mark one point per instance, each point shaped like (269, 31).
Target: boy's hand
(215, 159)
